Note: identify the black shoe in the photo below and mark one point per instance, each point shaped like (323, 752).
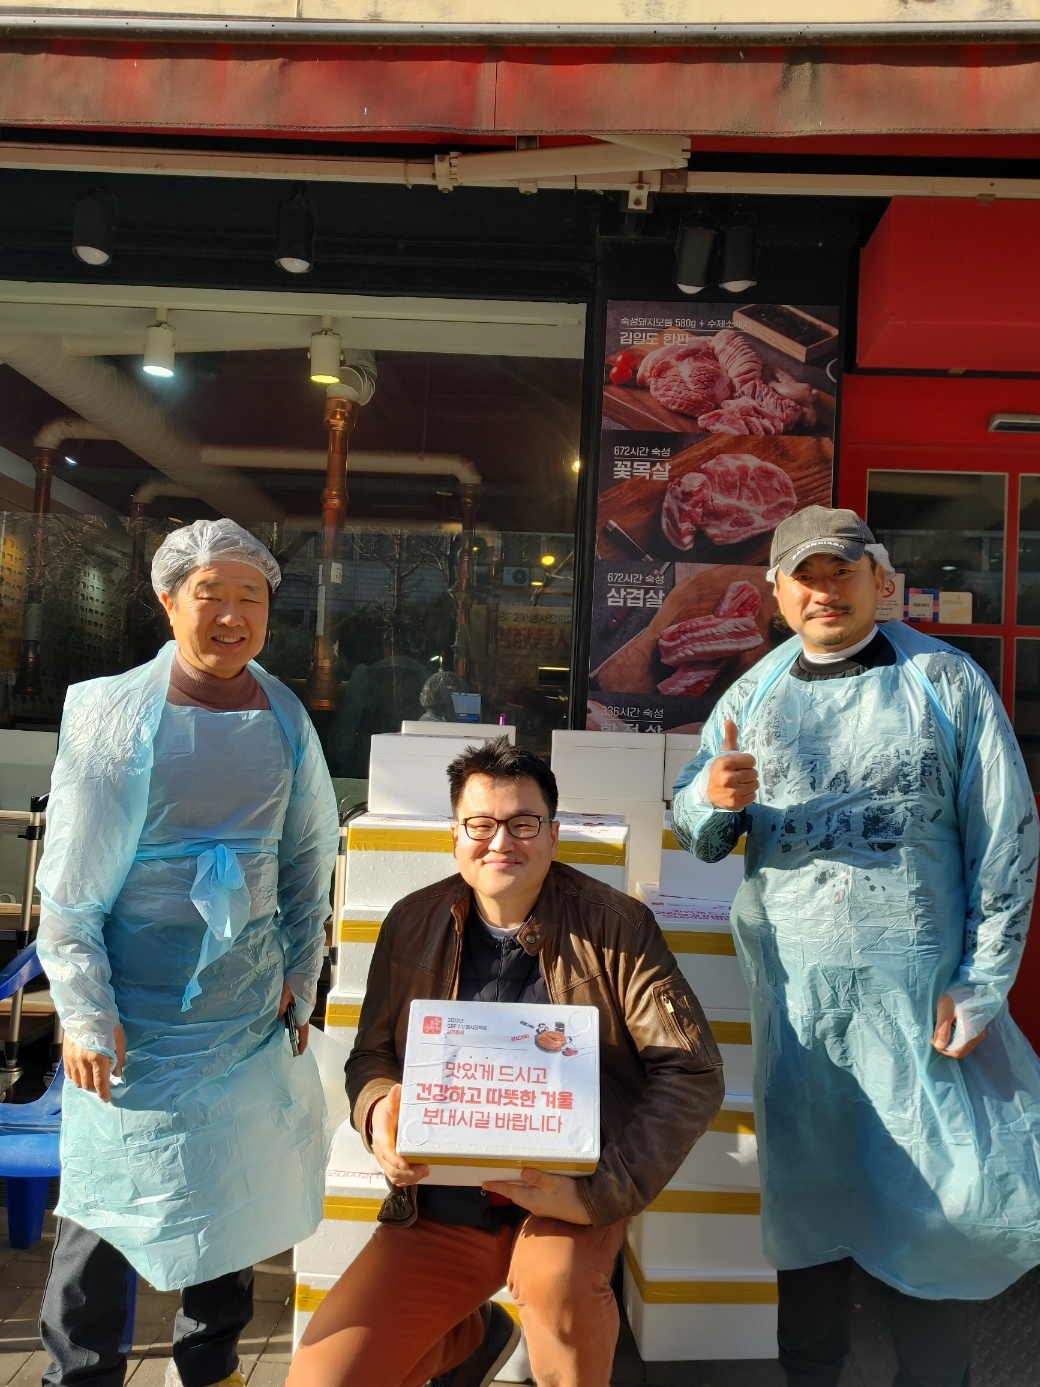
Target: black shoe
(501, 1336)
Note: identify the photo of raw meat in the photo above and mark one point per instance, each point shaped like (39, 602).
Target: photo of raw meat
(723, 381)
(733, 497)
(716, 501)
(700, 646)
(714, 624)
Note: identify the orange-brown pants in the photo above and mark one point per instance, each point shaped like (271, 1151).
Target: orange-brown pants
(406, 1309)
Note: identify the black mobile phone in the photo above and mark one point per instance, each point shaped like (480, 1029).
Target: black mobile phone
(292, 1028)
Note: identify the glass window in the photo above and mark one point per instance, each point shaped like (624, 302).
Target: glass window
(1027, 705)
(944, 532)
(450, 594)
(1029, 551)
(987, 651)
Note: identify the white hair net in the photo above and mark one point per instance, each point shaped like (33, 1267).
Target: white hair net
(204, 543)
(879, 552)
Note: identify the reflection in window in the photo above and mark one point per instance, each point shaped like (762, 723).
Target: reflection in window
(450, 592)
(1027, 705)
(987, 651)
(1029, 551)
(944, 531)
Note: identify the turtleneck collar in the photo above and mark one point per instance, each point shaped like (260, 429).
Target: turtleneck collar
(194, 688)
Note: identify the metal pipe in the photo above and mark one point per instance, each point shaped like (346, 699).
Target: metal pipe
(108, 398)
(340, 417)
(464, 585)
(512, 34)
(27, 680)
(33, 836)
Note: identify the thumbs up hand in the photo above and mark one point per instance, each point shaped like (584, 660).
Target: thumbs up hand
(732, 780)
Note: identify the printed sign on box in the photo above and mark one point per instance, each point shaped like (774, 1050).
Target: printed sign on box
(489, 1088)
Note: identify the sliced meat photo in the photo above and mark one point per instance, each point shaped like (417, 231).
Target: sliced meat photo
(742, 416)
(738, 358)
(700, 647)
(706, 638)
(732, 497)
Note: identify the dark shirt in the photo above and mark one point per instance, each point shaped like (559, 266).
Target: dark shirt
(491, 969)
(878, 653)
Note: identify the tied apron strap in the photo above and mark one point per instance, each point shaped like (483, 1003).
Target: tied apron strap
(221, 897)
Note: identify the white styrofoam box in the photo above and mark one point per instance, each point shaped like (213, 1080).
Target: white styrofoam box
(349, 1158)
(312, 1288)
(389, 855)
(732, 1031)
(485, 731)
(342, 1013)
(683, 874)
(310, 1291)
(595, 765)
(355, 938)
(349, 1220)
(726, 1157)
(409, 775)
(644, 818)
(699, 935)
(716, 1230)
(700, 1316)
(489, 1087)
(679, 748)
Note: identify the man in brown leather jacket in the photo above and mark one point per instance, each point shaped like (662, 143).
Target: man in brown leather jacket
(512, 926)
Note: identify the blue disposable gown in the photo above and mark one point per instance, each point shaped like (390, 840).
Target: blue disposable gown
(890, 857)
(185, 878)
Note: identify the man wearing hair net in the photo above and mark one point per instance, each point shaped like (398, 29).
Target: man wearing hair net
(184, 889)
(889, 870)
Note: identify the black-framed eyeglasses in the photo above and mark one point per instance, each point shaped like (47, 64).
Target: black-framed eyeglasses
(481, 827)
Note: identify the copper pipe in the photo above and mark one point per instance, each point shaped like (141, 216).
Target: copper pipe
(340, 418)
(464, 584)
(27, 680)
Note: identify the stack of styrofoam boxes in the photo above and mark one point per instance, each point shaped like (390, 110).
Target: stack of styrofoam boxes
(679, 748)
(616, 773)
(697, 1285)
(401, 845)
(354, 1189)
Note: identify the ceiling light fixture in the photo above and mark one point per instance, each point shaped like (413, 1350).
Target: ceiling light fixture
(576, 465)
(294, 251)
(92, 228)
(738, 260)
(547, 560)
(693, 250)
(160, 347)
(326, 351)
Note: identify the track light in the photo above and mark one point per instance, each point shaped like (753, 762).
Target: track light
(294, 251)
(160, 347)
(326, 351)
(692, 256)
(92, 229)
(738, 259)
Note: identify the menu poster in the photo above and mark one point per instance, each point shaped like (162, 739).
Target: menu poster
(718, 423)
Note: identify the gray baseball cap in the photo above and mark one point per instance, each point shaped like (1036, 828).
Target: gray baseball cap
(817, 530)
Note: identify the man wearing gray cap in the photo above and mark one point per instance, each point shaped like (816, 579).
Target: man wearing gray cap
(184, 888)
(890, 862)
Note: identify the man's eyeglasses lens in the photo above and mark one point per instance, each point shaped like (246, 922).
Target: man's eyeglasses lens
(523, 826)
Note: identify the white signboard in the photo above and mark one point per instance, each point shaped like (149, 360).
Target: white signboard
(489, 1088)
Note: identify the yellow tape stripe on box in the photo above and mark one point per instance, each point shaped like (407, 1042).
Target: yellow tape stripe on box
(307, 1298)
(736, 1123)
(669, 843)
(699, 1292)
(352, 1209)
(358, 931)
(706, 1202)
(502, 1162)
(731, 1032)
(575, 851)
(342, 1014)
(683, 941)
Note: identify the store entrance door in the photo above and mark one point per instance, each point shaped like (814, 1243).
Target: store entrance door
(958, 507)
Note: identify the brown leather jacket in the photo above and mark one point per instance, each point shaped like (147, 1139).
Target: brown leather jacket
(660, 1070)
